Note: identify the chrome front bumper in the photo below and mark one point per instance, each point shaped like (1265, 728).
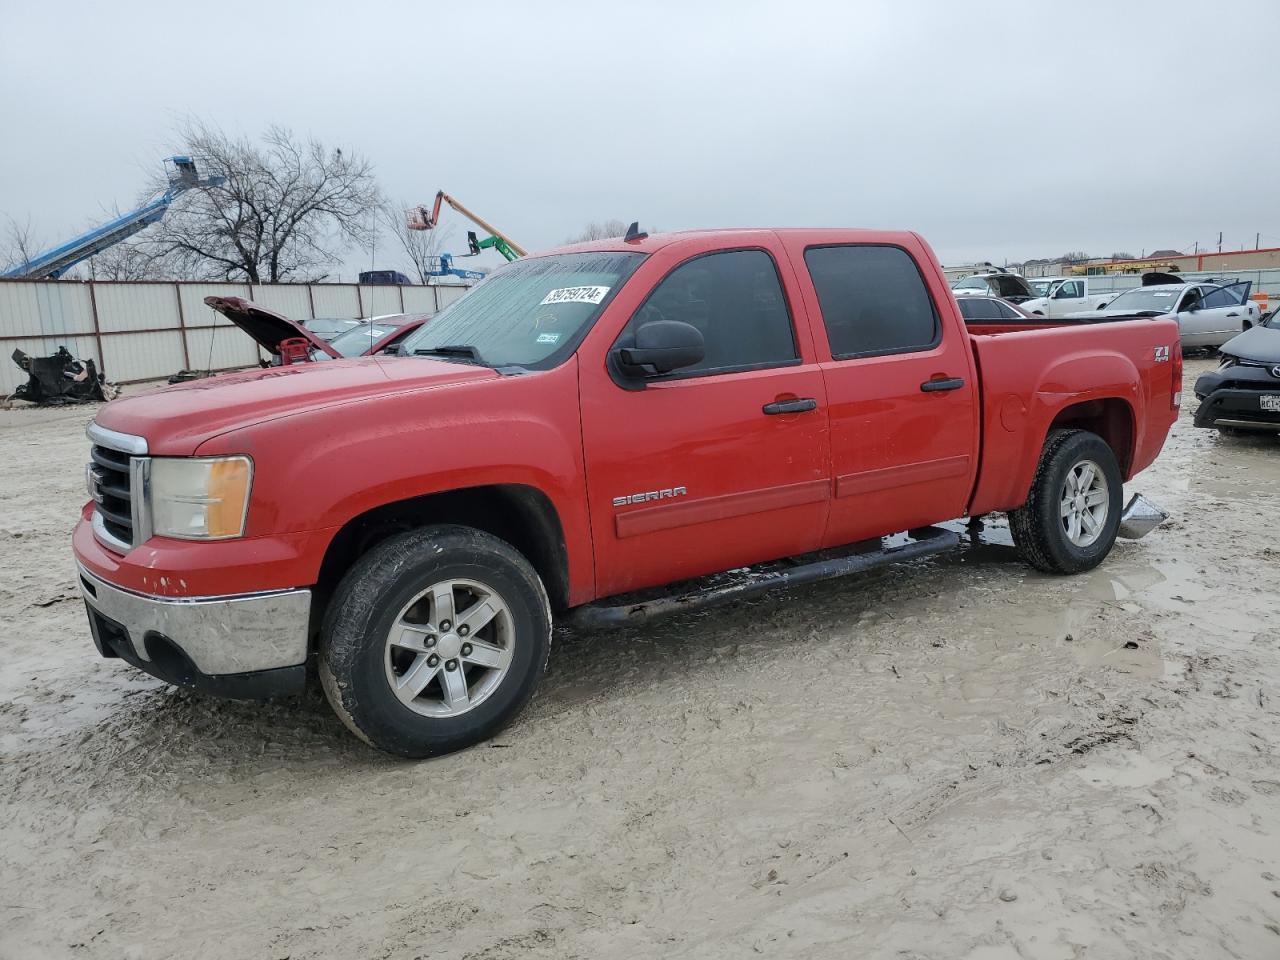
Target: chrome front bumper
(219, 635)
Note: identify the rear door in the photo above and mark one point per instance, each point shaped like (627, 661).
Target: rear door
(717, 465)
(901, 391)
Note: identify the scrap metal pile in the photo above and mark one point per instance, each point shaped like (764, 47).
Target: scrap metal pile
(61, 379)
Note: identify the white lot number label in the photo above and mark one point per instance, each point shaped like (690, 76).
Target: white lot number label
(575, 295)
(1270, 402)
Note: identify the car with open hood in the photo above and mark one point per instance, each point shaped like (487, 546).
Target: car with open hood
(1243, 394)
(1208, 313)
(287, 341)
(1006, 286)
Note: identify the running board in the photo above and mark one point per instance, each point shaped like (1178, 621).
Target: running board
(750, 581)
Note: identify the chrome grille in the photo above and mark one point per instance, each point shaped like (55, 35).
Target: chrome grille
(116, 476)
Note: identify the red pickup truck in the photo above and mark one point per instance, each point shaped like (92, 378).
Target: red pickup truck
(593, 423)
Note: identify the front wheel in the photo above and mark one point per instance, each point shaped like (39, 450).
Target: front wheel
(434, 641)
(1070, 519)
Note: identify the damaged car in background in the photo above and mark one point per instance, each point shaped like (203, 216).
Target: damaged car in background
(1243, 394)
(1209, 313)
(60, 379)
(1001, 284)
(286, 341)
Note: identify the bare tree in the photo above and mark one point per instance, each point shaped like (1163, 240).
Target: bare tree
(1123, 256)
(420, 247)
(599, 231)
(1074, 256)
(128, 261)
(19, 245)
(285, 211)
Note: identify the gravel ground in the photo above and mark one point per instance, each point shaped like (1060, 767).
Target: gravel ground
(955, 758)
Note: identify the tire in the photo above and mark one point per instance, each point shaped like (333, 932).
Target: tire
(1041, 533)
(405, 584)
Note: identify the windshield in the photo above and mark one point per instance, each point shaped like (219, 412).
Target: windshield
(358, 340)
(1040, 287)
(1162, 299)
(529, 312)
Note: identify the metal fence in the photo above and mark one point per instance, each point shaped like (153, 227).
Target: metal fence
(1264, 281)
(137, 331)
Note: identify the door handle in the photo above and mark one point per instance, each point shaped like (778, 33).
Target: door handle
(951, 383)
(799, 405)
(1233, 314)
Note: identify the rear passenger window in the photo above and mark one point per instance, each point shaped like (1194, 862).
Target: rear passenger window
(873, 300)
(735, 299)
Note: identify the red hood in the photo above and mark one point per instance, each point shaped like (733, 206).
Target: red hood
(265, 326)
(176, 420)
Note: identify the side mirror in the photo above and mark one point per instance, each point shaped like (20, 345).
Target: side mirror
(660, 347)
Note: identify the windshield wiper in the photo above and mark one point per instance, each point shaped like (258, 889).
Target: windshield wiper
(453, 351)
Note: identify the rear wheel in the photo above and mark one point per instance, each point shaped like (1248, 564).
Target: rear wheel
(434, 641)
(1072, 513)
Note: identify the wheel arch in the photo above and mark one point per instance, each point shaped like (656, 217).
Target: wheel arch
(521, 515)
(1111, 418)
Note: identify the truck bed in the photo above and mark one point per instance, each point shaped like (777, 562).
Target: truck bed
(1031, 374)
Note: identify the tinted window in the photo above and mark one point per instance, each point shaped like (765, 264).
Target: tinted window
(1219, 298)
(978, 308)
(1007, 312)
(735, 299)
(873, 300)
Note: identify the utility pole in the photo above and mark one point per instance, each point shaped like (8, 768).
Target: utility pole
(1219, 241)
(1257, 240)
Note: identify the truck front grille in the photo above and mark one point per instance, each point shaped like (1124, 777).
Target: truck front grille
(117, 478)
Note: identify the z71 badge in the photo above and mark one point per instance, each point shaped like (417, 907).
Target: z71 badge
(664, 494)
(1162, 354)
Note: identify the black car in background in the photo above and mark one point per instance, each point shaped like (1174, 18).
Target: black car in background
(1244, 392)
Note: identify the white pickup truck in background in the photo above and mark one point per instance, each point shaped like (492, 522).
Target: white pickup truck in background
(1060, 296)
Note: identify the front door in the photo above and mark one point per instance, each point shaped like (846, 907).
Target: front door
(721, 464)
(901, 390)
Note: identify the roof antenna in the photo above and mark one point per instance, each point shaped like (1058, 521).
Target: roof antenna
(634, 232)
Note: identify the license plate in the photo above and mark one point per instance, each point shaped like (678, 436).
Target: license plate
(1270, 403)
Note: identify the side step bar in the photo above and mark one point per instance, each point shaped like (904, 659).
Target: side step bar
(924, 542)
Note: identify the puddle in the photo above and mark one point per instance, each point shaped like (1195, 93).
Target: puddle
(1130, 770)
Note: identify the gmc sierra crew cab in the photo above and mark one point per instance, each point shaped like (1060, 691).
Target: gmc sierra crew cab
(583, 427)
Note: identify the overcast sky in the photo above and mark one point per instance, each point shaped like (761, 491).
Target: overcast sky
(996, 130)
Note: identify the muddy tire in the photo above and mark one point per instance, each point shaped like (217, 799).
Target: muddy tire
(434, 641)
(1071, 516)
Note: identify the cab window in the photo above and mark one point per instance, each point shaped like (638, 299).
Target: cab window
(873, 300)
(735, 299)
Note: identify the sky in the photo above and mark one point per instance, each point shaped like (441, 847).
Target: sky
(999, 131)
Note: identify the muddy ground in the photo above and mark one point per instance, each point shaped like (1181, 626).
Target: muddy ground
(957, 758)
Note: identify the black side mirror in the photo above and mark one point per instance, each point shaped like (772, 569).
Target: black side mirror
(661, 346)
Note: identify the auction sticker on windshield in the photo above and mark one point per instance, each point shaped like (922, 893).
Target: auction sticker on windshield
(575, 295)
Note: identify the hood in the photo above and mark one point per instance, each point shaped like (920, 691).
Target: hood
(265, 326)
(177, 419)
(1260, 344)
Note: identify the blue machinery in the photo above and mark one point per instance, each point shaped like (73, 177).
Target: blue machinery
(52, 264)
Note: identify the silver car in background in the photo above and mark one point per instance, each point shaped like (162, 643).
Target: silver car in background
(1208, 314)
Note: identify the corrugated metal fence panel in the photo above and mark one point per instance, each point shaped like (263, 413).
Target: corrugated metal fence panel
(380, 299)
(85, 348)
(445, 295)
(335, 300)
(194, 311)
(142, 356)
(44, 309)
(136, 306)
(288, 298)
(419, 299)
(220, 348)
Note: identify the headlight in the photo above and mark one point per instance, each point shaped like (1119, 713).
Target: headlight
(200, 498)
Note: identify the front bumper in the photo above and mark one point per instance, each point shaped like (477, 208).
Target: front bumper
(244, 646)
(1238, 396)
